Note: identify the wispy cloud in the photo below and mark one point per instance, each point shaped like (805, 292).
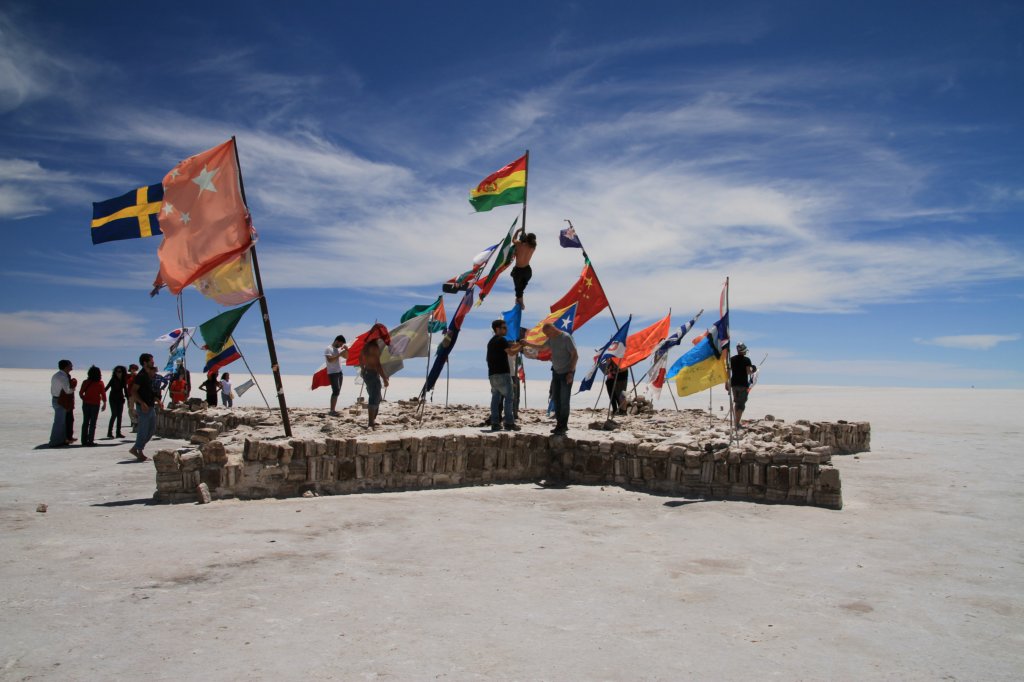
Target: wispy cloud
(26, 188)
(97, 328)
(698, 175)
(970, 341)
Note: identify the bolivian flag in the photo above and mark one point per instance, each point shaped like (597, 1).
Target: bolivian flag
(506, 186)
(131, 215)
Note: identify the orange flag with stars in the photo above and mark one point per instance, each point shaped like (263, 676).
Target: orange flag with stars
(203, 217)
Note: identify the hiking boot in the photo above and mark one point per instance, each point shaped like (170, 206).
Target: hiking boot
(495, 427)
(512, 427)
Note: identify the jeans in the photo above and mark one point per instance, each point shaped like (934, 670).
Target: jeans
(116, 411)
(560, 392)
(372, 382)
(501, 399)
(147, 427)
(90, 415)
(58, 434)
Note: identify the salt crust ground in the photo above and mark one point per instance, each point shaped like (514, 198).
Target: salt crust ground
(920, 576)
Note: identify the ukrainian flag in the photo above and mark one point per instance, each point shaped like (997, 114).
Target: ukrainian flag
(128, 216)
(700, 368)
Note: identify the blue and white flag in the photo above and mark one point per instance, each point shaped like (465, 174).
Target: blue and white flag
(568, 239)
(615, 348)
(676, 338)
(176, 356)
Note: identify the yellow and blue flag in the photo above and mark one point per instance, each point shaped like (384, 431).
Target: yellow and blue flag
(131, 215)
(702, 367)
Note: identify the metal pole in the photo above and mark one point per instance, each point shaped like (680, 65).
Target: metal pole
(265, 311)
(728, 365)
(526, 189)
(258, 387)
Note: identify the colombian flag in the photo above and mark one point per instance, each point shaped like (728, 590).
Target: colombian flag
(505, 186)
(227, 355)
(131, 215)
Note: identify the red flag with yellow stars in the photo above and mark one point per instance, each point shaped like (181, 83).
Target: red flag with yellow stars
(587, 294)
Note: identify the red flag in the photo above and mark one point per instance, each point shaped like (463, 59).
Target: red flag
(377, 332)
(320, 379)
(640, 345)
(587, 294)
(203, 217)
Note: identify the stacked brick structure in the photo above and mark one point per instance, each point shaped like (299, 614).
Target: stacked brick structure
(775, 463)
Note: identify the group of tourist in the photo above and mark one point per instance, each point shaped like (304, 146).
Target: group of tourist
(139, 387)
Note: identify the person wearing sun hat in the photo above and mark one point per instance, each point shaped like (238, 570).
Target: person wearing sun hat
(741, 368)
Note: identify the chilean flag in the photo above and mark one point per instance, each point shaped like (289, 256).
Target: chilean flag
(320, 378)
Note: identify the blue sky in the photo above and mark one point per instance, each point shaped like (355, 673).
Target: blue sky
(855, 168)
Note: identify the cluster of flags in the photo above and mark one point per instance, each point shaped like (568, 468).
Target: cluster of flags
(199, 210)
(207, 238)
(201, 214)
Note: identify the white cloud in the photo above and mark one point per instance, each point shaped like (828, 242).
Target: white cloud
(62, 330)
(26, 188)
(970, 341)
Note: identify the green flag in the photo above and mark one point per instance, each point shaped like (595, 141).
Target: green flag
(417, 310)
(218, 330)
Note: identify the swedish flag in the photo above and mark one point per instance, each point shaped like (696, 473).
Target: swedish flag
(128, 216)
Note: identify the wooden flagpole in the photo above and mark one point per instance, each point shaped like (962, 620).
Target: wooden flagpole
(265, 311)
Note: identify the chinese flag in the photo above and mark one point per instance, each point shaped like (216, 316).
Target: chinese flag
(587, 294)
(203, 218)
(639, 346)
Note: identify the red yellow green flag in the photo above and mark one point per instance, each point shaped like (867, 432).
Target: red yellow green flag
(505, 186)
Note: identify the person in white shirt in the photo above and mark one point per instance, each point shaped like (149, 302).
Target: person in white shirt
(333, 355)
(225, 390)
(62, 388)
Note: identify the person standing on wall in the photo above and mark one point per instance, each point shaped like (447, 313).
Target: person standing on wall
(499, 350)
(332, 356)
(563, 371)
(741, 369)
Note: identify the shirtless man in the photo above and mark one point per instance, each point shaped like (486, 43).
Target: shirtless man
(525, 244)
(373, 374)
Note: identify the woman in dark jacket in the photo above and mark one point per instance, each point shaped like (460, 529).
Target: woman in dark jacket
(118, 388)
(212, 388)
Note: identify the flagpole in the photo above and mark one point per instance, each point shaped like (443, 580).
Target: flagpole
(526, 189)
(246, 362)
(593, 271)
(728, 365)
(265, 311)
